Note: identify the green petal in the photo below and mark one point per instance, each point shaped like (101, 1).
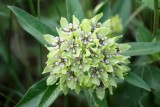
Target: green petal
(110, 90)
(78, 51)
(95, 81)
(116, 24)
(64, 88)
(49, 38)
(96, 18)
(75, 20)
(86, 67)
(47, 69)
(108, 68)
(64, 23)
(80, 79)
(95, 40)
(64, 46)
(67, 54)
(86, 81)
(57, 69)
(103, 31)
(64, 71)
(53, 53)
(51, 48)
(63, 78)
(104, 76)
(51, 80)
(113, 61)
(69, 38)
(123, 68)
(61, 33)
(86, 25)
(77, 89)
(111, 41)
(112, 82)
(50, 62)
(100, 93)
(107, 23)
(87, 53)
(89, 84)
(96, 60)
(94, 49)
(75, 68)
(119, 74)
(123, 47)
(77, 34)
(118, 59)
(71, 84)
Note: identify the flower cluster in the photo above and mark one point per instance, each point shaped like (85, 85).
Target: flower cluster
(86, 56)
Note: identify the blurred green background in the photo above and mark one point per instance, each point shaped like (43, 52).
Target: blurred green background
(22, 58)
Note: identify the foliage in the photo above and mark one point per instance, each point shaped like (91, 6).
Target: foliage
(22, 55)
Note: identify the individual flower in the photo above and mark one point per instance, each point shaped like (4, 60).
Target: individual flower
(86, 55)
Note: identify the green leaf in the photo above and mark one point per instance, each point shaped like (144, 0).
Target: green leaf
(32, 25)
(39, 95)
(34, 95)
(135, 80)
(142, 48)
(74, 8)
(50, 96)
(143, 34)
(150, 75)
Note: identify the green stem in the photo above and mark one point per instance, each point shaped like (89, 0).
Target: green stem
(11, 68)
(32, 7)
(57, 8)
(139, 9)
(38, 8)
(41, 57)
(28, 74)
(156, 18)
(8, 89)
(1, 94)
(66, 101)
(8, 102)
(89, 97)
(40, 45)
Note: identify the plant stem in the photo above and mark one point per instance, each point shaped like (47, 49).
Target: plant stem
(32, 7)
(57, 8)
(38, 8)
(89, 98)
(40, 45)
(66, 101)
(41, 57)
(156, 18)
(10, 65)
(33, 12)
(140, 8)
(8, 98)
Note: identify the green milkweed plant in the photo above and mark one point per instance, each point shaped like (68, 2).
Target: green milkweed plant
(86, 55)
